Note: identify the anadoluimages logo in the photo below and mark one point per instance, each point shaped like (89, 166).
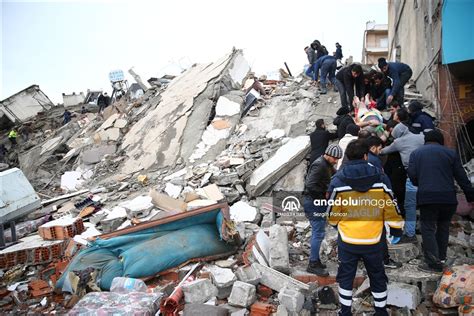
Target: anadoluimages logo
(290, 204)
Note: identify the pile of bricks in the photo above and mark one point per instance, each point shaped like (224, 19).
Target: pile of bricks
(32, 254)
(61, 231)
(39, 288)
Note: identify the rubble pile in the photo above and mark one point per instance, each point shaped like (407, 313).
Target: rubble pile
(133, 197)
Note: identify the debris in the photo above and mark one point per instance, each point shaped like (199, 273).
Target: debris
(164, 202)
(403, 295)
(63, 228)
(243, 294)
(226, 107)
(248, 274)
(204, 309)
(199, 291)
(277, 280)
(95, 155)
(173, 190)
(285, 158)
(279, 258)
(292, 299)
(127, 285)
(403, 252)
(223, 279)
(242, 212)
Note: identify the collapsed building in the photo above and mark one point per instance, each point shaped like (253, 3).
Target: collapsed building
(168, 203)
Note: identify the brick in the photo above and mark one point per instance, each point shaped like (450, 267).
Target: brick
(292, 299)
(264, 291)
(243, 294)
(61, 229)
(403, 295)
(261, 309)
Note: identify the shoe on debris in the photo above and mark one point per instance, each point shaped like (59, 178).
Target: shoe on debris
(318, 268)
(430, 269)
(391, 264)
(408, 240)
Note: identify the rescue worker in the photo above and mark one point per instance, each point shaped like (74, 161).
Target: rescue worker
(360, 225)
(12, 137)
(400, 74)
(327, 64)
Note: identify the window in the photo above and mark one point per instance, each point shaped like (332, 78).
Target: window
(383, 43)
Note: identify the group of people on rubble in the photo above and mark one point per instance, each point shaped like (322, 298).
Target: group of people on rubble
(368, 178)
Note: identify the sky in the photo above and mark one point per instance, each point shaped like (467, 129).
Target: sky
(71, 46)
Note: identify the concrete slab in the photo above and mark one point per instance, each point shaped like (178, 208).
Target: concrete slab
(226, 107)
(96, 154)
(293, 180)
(51, 144)
(286, 157)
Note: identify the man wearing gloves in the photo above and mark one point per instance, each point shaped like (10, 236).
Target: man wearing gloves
(361, 203)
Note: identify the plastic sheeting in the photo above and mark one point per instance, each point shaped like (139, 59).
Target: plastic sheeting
(148, 252)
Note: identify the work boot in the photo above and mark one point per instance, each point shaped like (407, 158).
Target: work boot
(317, 267)
(408, 240)
(391, 264)
(430, 269)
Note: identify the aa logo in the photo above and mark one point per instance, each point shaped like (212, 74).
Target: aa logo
(290, 204)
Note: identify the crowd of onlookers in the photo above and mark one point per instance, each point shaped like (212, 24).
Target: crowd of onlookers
(395, 162)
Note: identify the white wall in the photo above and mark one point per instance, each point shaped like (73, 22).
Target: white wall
(26, 104)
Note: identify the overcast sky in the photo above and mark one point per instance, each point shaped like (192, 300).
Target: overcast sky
(67, 46)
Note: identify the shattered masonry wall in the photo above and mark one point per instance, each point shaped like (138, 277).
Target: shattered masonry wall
(158, 138)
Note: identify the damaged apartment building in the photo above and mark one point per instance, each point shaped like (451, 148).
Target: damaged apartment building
(166, 204)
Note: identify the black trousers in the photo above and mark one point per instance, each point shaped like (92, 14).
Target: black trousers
(434, 222)
(372, 256)
(404, 77)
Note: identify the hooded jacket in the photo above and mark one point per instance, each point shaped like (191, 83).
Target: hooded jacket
(433, 168)
(311, 55)
(394, 71)
(405, 142)
(361, 202)
(341, 121)
(323, 60)
(421, 122)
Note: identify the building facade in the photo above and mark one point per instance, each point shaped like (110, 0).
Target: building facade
(435, 38)
(375, 44)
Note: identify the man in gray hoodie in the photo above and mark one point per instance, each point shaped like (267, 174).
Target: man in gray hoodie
(405, 143)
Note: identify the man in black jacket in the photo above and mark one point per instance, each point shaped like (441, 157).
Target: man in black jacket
(316, 186)
(346, 79)
(342, 120)
(433, 168)
(319, 140)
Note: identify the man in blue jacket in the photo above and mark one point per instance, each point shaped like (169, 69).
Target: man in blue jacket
(400, 74)
(433, 168)
(419, 121)
(328, 65)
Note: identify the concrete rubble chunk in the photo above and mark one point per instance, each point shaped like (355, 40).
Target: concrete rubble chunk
(204, 309)
(292, 299)
(243, 294)
(223, 279)
(403, 252)
(112, 133)
(403, 295)
(279, 256)
(285, 158)
(243, 212)
(281, 311)
(226, 107)
(95, 155)
(277, 280)
(248, 274)
(199, 291)
(173, 190)
(120, 123)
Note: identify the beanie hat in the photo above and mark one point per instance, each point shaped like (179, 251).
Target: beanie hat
(334, 150)
(382, 62)
(434, 136)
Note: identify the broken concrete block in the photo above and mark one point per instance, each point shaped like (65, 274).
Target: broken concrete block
(204, 309)
(71, 181)
(226, 107)
(139, 207)
(243, 294)
(227, 178)
(248, 274)
(293, 180)
(120, 123)
(268, 220)
(110, 134)
(277, 280)
(275, 134)
(173, 190)
(199, 291)
(95, 155)
(242, 212)
(231, 194)
(223, 279)
(281, 311)
(286, 158)
(292, 299)
(403, 252)
(279, 256)
(403, 295)
(410, 274)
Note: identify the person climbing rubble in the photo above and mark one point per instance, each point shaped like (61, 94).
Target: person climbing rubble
(327, 64)
(316, 186)
(400, 73)
(320, 138)
(12, 136)
(359, 227)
